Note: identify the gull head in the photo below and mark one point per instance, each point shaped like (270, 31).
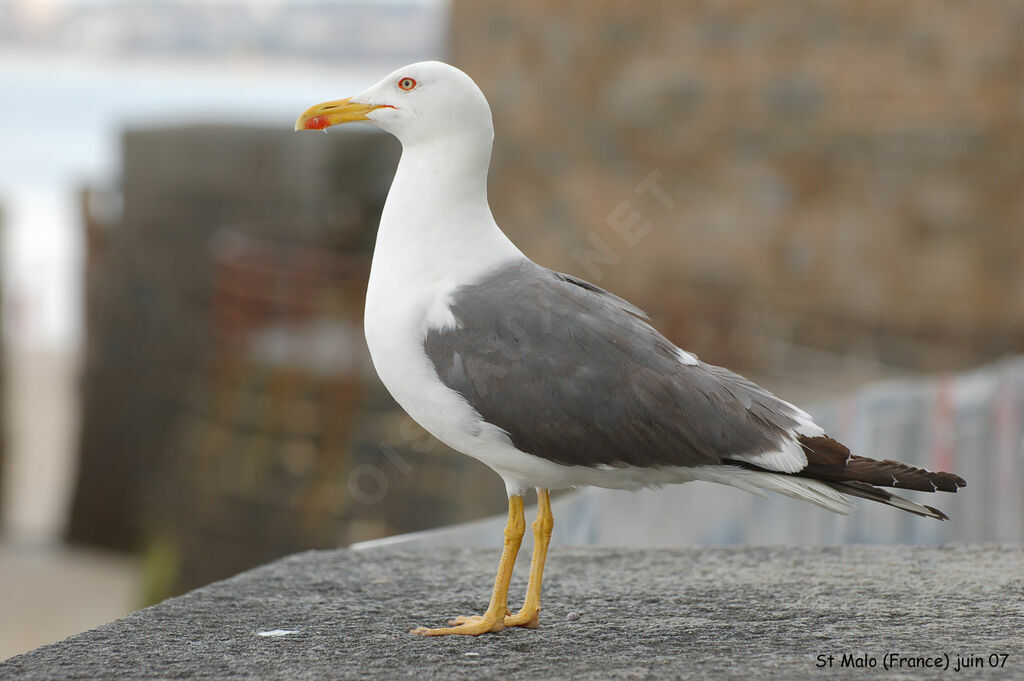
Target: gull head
(422, 102)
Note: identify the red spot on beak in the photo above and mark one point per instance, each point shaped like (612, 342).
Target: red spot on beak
(316, 123)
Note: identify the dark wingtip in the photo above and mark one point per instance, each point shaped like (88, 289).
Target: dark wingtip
(829, 459)
(948, 482)
(939, 515)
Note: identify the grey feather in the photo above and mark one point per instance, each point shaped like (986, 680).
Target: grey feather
(578, 376)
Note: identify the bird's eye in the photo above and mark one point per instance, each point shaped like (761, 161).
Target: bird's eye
(407, 84)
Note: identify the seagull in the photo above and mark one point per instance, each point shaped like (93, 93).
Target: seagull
(546, 378)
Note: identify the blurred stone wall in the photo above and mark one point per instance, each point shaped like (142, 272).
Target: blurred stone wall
(844, 175)
(149, 288)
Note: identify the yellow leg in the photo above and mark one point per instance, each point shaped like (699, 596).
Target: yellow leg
(529, 615)
(494, 618)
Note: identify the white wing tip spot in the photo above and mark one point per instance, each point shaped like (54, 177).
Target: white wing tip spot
(685, 357)
(277, 632)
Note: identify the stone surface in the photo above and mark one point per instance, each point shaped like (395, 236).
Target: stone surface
(609, 614)
(50, 592)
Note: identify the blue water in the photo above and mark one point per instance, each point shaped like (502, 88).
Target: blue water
(60, 123)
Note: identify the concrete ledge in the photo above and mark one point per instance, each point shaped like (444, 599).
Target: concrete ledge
(678, 613)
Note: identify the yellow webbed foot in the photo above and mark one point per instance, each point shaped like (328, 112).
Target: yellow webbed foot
(473, 625)
(523, 618)
(528, 619)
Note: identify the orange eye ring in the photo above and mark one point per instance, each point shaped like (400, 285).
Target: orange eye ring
(406, 83)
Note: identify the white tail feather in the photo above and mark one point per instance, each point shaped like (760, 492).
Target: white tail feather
(804, 489)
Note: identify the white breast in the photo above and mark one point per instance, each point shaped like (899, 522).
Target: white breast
(396, 321)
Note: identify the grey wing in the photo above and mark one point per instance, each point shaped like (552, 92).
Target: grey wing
(577, 376)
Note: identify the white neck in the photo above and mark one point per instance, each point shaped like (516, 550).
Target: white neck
(437, 224)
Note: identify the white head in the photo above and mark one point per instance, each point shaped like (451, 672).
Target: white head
(418, 103)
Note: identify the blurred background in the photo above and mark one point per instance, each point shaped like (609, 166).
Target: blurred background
(826, 197)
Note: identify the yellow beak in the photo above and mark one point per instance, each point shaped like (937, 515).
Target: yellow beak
(327, 114)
